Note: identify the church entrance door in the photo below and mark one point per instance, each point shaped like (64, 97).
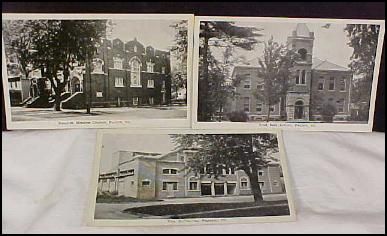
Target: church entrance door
(299, 110)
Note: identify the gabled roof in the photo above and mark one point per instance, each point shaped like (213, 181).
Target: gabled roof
(319, 64)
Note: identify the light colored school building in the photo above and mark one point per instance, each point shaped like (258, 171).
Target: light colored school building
(158, 176)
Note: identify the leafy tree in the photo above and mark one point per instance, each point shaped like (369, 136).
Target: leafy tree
(275, 68)
(17, 42)
(180, 49)
(218, 34)
(363, 38)
(247, 152)
(56, 44)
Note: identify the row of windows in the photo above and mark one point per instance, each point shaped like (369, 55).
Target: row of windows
(340, 104)
(118, 64)
(301, 80)
(119, 83)
(14, 84)
(194, 185)
(258, 108)
(331, 84)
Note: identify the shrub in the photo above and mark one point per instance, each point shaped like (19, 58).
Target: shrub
(328, 111)
(238, 116)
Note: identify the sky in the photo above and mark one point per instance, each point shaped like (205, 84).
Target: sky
(329, 44)
(155, 33)
(159, 143)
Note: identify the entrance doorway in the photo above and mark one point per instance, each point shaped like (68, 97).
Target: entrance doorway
(219, 189)
(206, 189)
(299, 110)
(76, 85)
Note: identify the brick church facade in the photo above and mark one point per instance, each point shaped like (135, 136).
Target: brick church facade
(315, 84)
(125, 74)
(122, 74)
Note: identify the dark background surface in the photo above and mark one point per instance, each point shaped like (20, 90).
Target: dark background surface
(343, 10)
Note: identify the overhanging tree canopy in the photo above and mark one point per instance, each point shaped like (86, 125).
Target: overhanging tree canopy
(247, 152)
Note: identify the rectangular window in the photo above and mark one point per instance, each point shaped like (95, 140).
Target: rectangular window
(272, 108)
(169, 171)
(340, 106)
(135, 101)
(145, 183)
(163, 70)
(298, 77)
(99, 94)
(259, 108)
(151, 83)
(119, 82)
(244, 184)
(260, 87)
(332, 83)
(172, 185)
(151, 101)
(320, 85)
(193, 185)
(342, 84)
(246, 104)
(260, 173)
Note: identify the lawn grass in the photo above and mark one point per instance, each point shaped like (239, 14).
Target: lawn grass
(108, 198)
(174, 210)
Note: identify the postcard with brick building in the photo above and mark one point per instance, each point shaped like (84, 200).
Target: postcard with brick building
(101, 70)
(189, 177)
(308, 74)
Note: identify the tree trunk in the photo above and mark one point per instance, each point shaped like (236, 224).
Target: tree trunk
(268, 114)
(254, 184)
(58, 101)
(203, 96)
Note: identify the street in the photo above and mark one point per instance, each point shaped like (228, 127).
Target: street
(116, 113)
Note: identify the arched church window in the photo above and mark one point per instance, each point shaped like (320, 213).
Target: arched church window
(135, 72)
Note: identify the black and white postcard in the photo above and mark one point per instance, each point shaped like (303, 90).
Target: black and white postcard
(189, 177)
(288, 73)
(97, 70)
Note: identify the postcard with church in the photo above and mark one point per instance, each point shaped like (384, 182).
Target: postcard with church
(97, 71)
(288, 73)
(189, 177)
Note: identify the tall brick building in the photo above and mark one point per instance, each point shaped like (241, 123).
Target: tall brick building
(316, 83)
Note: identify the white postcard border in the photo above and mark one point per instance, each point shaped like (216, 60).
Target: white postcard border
(89, 215)
(307, 126)
(101, 123)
